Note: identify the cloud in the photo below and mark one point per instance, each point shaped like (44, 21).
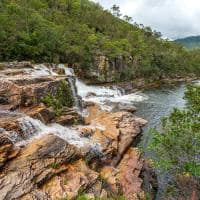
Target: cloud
(173, 18)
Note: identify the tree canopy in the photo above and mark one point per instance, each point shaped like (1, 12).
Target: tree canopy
(79, 31)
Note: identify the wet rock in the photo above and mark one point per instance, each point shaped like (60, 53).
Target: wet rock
(38, 162)
(7, 149)
(91, 94)
(40, 112)
(69, 117)
(9, 121)
(116, 107)
(60, 71)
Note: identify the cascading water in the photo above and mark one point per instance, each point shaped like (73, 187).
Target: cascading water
(72, 82)
(107, 97)
(33, 128)
(41, 70)
(77, 98)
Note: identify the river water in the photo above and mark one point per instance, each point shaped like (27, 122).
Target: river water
(160, 103)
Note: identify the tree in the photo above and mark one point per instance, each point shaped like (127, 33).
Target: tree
(127, 18)
(116, 11)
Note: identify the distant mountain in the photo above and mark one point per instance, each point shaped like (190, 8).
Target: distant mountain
(190, 42)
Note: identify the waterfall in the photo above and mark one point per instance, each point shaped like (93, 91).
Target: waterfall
(72, 82)
(77, 98)
(33, 128)
(107, 97)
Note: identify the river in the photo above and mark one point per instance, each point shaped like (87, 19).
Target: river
(160, 103)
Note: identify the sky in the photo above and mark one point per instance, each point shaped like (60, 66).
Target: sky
(173, 18)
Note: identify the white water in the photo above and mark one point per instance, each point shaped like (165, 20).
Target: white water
(106, 96)
(68, 71)
(42, 70)
(33, 128)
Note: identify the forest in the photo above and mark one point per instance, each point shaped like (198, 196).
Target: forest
(91, 39)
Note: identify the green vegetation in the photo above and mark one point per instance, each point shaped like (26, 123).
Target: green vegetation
(84, 197)
(79, 32)
(62, 98)
(54, 165)
(190, 42)
(177, 146)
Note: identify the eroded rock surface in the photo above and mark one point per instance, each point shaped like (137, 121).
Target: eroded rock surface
(64, 162)
(38, 162)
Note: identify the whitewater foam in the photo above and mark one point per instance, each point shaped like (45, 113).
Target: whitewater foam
(105, 96)
(33, 128)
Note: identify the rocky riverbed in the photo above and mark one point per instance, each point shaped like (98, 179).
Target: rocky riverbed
(83, 148)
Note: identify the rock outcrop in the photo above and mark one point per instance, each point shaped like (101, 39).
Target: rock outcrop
(38, 162)
(95, 156)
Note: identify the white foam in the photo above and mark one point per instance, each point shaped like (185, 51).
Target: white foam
(68, 71)
(105, 96)
(41, 70)
(33, 128)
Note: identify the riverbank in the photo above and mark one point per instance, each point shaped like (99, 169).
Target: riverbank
(50, 151)
(141, 83)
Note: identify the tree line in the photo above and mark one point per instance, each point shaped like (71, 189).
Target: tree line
(77, 32)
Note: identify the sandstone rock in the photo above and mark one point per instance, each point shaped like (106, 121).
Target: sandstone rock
(77, 178)
(41, 112)
(114, 131)
(16, 64)
(29, 90)
(66, 120)
(129, 175)
(9, 121)
(37, 163)
(109, 175)
(7, 149)
(11, 91)
(69, 116)
(125, 177)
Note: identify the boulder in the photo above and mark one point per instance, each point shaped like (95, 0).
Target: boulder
(125, 177)
(116, 132)
(40, 112)
(28, 91)
(38, 162)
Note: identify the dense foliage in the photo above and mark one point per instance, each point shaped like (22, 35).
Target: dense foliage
(190, 42)
(177, 146)
(78, 32)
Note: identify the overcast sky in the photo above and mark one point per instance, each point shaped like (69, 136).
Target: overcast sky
(173, 18)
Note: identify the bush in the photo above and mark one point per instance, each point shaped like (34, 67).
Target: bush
(176, 148)
(63, 98)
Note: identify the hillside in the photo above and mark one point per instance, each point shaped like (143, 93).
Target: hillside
(96, 42)
(190, 42)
